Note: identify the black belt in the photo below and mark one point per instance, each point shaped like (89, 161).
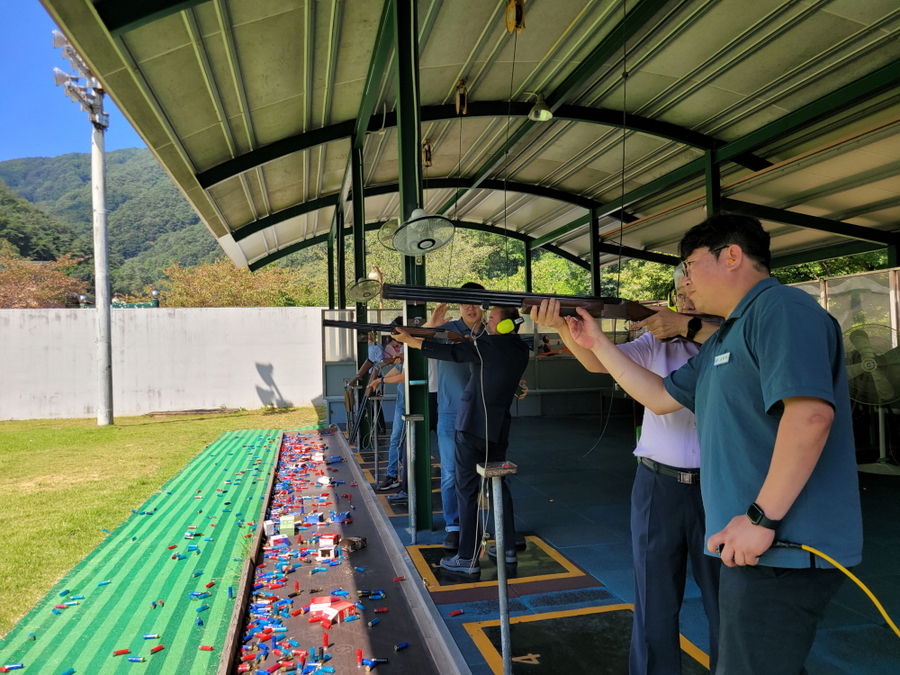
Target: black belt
(689, 476)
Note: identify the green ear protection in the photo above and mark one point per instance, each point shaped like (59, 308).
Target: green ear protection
(509, 325)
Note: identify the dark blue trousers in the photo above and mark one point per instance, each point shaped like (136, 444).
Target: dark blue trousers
(471, 451)
(769, 617)
(667, 528)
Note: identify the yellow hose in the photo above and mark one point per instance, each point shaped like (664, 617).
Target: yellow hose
(858, 583)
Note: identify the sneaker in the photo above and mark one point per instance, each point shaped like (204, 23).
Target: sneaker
(389, 483)
(457, 564)
(511, 557)
(399, 498)
(451, 543)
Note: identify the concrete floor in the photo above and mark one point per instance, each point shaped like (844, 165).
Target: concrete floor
(573, 490)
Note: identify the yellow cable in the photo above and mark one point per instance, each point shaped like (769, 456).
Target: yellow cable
(858, 583)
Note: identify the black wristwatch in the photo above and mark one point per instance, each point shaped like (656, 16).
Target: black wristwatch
(758, 517)
(694, 326)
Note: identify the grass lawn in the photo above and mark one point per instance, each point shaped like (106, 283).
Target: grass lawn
(63, 481)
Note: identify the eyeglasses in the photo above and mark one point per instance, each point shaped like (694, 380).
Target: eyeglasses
(686, 264)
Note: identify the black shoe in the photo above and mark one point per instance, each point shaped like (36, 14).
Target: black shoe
(457, 564)
(451, 543)
(399, 498)
(388, 483)
(511, 557)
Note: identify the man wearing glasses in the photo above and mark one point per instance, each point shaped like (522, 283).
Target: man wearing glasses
(778, 460)
(667, 519)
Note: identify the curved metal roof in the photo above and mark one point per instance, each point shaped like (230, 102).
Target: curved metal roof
(253, 108)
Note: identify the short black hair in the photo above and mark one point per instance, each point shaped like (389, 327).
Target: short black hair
(473, 284)
(511, 313)
(725, 229)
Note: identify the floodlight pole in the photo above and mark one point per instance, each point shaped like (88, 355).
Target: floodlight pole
(101, 273)
(90, 96)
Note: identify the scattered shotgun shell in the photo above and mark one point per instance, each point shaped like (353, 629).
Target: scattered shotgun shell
(103, 583)
(456, 612)
(157, 648)
(136, 659)
(121, 652)
(206, 648)
(402, 645)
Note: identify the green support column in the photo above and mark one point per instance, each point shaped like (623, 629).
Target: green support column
(331, 270)
(529, 281)
(713, 184)
(595, 253)
(410, 146)
(892, 259)
(359, 272)
(341, 256)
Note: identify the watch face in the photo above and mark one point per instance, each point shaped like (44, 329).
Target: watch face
(755, 514)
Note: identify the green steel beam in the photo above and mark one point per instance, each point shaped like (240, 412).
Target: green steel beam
(384, 43)
(825, 253)
(867, 86)
(635, 20)
(359, 228)
(341, 256)
(529, 280)
(560, 231)
(120, 17)
(286, 214)
(480, 227)
(499, 185)
(713, 184)
(331, 270)
(442, 113)
(595, 252)
(409, 140)
(811, 222)
(273, 151)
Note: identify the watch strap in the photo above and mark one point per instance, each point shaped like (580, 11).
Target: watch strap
(758, 517)
(693, 327)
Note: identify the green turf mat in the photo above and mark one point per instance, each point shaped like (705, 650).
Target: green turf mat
(216, 494)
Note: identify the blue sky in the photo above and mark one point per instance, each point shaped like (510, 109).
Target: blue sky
(36, 118)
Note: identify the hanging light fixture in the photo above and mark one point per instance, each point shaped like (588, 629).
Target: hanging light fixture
(462, 98)
(540, 111)
(427, 153)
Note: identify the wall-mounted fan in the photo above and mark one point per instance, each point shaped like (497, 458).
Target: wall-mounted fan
(363, 290)
(422, 234)
(873, 374)
(386, 233)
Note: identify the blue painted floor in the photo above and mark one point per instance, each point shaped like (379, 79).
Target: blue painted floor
(577, 499)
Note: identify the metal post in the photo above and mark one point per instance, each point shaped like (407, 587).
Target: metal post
(374, 403)
(101, 279)
(496, 471)
(410, 421)
(90, 97)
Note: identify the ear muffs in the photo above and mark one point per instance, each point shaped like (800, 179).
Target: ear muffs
(509, 325)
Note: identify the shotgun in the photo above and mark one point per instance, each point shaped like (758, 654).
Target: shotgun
(607, 308)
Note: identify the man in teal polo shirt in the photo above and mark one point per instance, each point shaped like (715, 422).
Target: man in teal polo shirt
(777, 456)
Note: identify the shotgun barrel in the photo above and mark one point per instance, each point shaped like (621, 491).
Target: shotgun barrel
(438, 333)
(598, 307)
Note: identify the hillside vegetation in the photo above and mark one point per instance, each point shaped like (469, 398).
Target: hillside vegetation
(157, 241)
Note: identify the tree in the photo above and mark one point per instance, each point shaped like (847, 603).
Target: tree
(28, 284)
(221, 284)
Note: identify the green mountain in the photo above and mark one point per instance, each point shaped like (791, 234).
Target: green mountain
(150, 223)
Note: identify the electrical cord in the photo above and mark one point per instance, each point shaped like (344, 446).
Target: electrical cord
(482, 522)
(810, 549)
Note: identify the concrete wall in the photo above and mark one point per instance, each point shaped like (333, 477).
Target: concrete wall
(163, 359)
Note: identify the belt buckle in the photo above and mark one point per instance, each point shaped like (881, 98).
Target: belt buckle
(686, 477)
